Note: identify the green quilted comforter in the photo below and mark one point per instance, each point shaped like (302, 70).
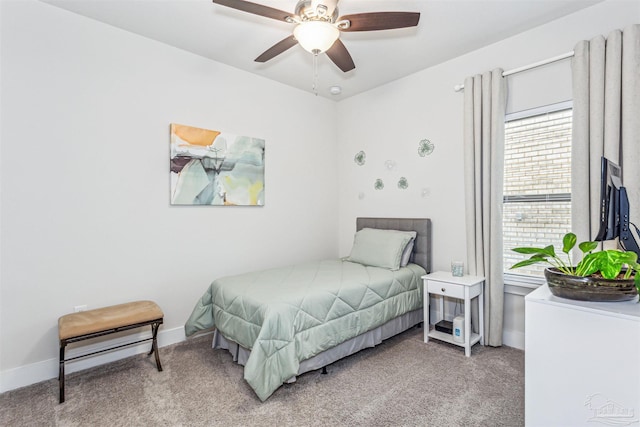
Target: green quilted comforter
(287, 315)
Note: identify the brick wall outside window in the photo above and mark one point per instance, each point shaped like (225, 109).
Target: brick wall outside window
(537, 163)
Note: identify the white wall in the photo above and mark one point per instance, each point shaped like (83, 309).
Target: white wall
(389, 121)
(85, 214)
(84, 205)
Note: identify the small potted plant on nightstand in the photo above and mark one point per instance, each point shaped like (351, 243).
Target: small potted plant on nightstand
(608, 275)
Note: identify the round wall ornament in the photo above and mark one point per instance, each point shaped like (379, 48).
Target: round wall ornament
(425, 147)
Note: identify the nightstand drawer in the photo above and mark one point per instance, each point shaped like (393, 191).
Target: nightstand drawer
(447, 289)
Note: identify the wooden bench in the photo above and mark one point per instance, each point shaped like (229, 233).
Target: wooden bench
(89, 324)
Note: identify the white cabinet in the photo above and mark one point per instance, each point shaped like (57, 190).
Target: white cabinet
(466, 288)
(582, 362)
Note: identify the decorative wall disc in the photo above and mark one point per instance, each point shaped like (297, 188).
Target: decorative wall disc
(403, 184)
(360, 158)
(378, 185)
(425, 147)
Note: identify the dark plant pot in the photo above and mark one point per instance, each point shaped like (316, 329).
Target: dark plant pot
(589, 288)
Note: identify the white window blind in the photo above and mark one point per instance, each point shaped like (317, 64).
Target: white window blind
(537, 184)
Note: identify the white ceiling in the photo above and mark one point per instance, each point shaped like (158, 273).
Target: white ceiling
(447, 29)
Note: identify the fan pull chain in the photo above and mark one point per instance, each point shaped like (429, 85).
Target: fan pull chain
(315, 73)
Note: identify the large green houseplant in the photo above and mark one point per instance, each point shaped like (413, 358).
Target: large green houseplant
(608, 275)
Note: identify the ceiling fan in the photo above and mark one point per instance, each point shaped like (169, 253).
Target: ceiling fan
(318, 27)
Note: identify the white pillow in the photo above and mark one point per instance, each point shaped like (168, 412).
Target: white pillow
(380, 248)
(406, 254)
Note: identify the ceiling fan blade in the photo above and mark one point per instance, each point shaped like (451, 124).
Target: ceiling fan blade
(380, 20)
(277, 49)
(256, 9)
(340, 56)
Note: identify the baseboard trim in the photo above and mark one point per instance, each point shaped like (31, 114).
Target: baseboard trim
(513, 339)
(23, 376)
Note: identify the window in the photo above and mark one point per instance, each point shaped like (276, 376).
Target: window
(537, 182)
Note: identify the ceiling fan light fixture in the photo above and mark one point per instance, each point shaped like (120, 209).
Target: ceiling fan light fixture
(316, 36)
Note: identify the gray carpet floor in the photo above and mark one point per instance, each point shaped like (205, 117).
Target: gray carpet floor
(402, 382)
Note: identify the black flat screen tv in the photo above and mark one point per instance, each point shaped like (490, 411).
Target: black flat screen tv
(614, 208)
(610, 184)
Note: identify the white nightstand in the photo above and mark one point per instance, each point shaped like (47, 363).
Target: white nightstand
(465, 288)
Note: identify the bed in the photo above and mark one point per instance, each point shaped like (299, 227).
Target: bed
(280, 323)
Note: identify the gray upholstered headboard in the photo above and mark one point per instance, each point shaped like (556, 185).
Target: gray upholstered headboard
(421, 249)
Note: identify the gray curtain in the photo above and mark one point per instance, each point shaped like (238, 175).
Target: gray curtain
(606, 122)
(484, 110)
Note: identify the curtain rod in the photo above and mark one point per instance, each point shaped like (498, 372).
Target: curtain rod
(459, 87)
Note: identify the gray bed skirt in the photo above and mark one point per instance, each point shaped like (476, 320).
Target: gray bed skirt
(368, 339)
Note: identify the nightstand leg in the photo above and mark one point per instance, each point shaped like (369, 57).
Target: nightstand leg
(467, 323)
(481, 315)
(426, 317)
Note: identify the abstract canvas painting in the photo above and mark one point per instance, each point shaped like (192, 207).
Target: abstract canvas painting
(210, 167)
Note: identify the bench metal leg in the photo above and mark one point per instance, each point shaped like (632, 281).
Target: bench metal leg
(154, 345)
(155, 325)
(61, 373)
